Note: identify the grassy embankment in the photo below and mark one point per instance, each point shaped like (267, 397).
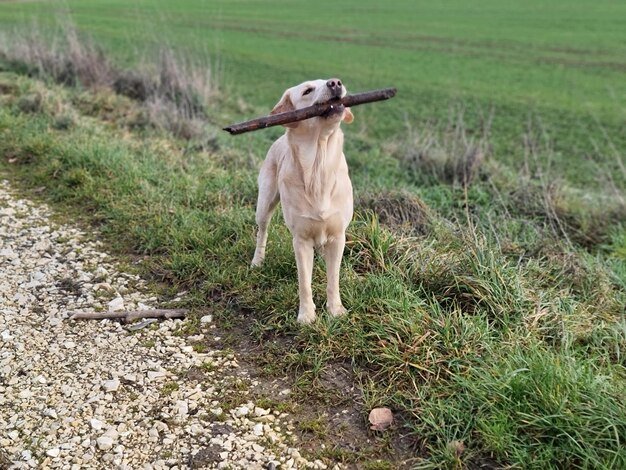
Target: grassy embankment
(489, 313)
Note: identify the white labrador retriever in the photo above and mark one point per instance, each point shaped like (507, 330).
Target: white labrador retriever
(306, 171)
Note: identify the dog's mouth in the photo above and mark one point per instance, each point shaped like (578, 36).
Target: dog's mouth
(336, 108)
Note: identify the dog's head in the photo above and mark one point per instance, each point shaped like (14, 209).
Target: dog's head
(314, 92)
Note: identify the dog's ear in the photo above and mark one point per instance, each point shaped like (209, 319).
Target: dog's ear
(348, 117)
(285, 105)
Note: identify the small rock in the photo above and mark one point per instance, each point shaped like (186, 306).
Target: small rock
(111, 385)
(260, 411)
(181, 408)
(266, 419)
(206, 319)
(112, 433)
(104, 286)
(195, 429)
(116, 304)
(155, 374)
(53, 452)
(380, 419)
(257, 448)
(96, 424)
(161, 426)
(8, 253)
(104, 442)
(101, 272)
(242, 411)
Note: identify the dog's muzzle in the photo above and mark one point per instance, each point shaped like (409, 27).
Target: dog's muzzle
(335, 87)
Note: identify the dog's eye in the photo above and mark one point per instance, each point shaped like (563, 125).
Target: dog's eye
(307, 91)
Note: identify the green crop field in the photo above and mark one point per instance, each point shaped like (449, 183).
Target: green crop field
(556, 65)
(485, 269)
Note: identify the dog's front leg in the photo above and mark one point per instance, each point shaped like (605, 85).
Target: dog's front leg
(333, 252)
(304, 250)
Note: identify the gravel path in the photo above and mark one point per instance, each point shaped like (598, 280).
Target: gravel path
(91, 394)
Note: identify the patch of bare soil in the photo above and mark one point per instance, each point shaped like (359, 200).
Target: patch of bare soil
(330, 418)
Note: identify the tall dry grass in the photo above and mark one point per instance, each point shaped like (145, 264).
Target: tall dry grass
(175, 90)
(448, 153)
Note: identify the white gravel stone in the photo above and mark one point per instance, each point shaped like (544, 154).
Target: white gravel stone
(260, 412)
(153, 374)
(242, 411)
(258, 429)
(111, 385)
(116, 304)
(181, 408)
(96, 424)
(53, 452)
(104, 442)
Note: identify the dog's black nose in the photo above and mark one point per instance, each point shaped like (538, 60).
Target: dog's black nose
(335, 86)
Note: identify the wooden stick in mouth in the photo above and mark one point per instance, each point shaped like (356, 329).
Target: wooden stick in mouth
(318, 109)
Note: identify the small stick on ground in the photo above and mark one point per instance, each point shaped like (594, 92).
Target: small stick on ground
(130, 315)
(310, 111)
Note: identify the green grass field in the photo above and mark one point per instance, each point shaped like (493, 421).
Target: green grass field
(489, 314)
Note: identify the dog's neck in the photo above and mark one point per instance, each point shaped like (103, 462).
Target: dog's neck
(318, 155)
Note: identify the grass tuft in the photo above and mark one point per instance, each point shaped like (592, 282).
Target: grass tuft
(451, 154)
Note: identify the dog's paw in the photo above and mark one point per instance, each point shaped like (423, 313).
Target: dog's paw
(306, 315)
(337, 311)
(306, 320)
(256, 262)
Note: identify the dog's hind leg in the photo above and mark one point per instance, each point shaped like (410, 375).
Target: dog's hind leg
(266, 204)
(333, 252)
